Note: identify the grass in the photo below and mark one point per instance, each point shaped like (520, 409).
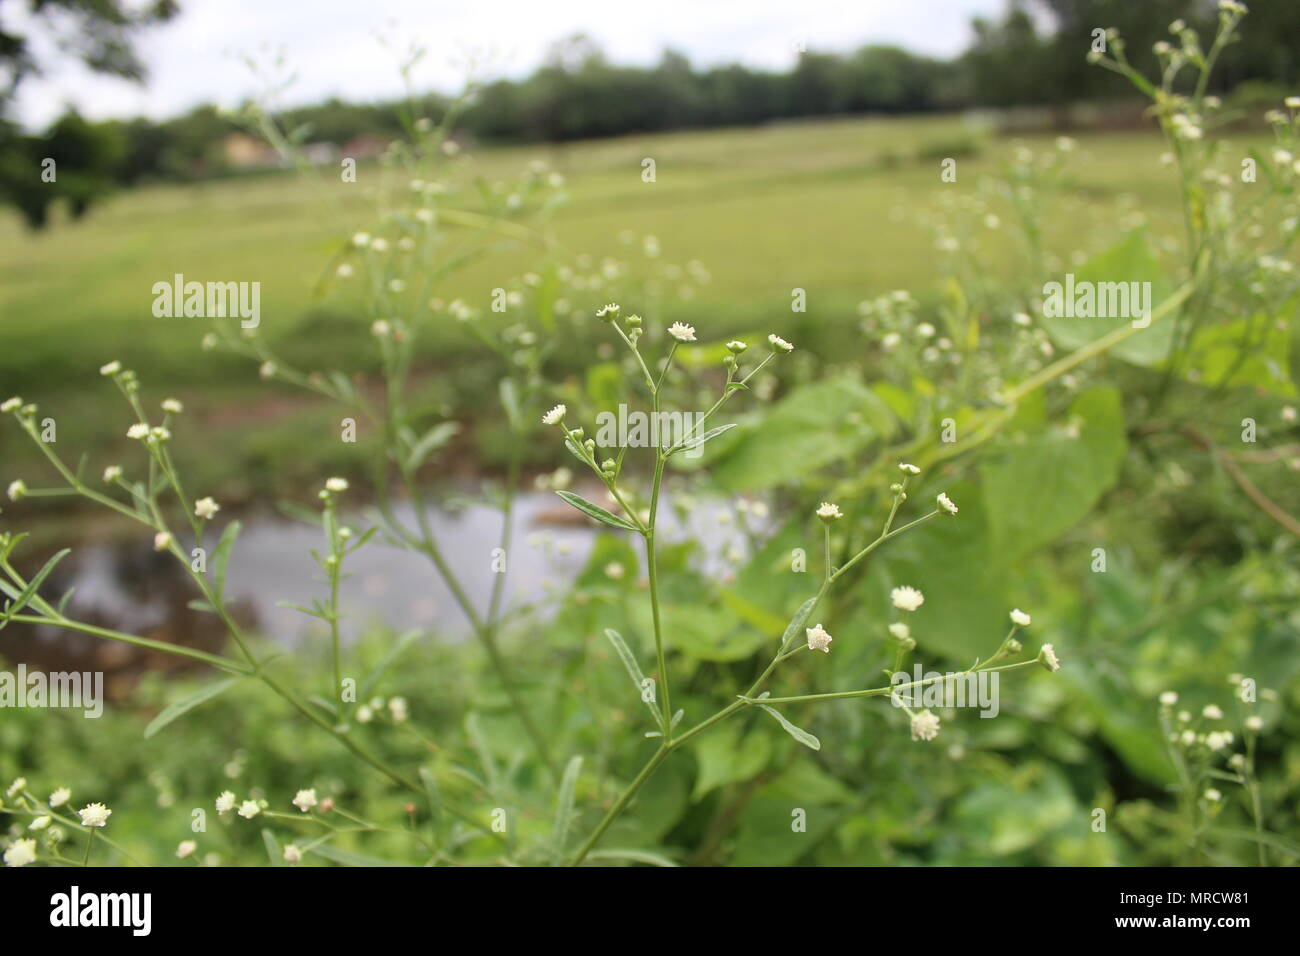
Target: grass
(844, 209)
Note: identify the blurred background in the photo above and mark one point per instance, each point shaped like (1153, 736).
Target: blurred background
(791, 147)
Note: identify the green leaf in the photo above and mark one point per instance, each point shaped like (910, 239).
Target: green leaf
(348, 857)
(797, 622)
(1040, 480)
(188, 703)
(799, 734)
(33, 586)
(634, 671)
(812, 427)
(634, 856)
(701, 439)
(433, 439)
(564, 806)
(510, 402)
(393, 652)
(722, 757)
(595, 511)
(221, 557)
(273, 851)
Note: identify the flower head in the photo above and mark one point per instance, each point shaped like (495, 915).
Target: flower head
(59, 797)
(906, 598)
(907, 469)
(17, 787)
(138, 431)
(162, 541)
(609, 313)
(186, 848)
(225, 802)
(925, 726)
(173, 406)
(304, 800)
(1213, 795)
(900, 631)
(735, 347)
(818, 639)
(206, 507)
(1255, 723)
(20, 853)
(682, 332)
(381, 329)
(829, 512)
(249, 809)
(112, 473)
(1168, 698)
(336, 484)
(779, 344)
(94, 815)
(946, 504)
(1047, 657)
(112, 368)
(17, 490)
(1218, 739)
(292, 853)
(1020, 619)
(555, 415)
(1212, 712)
(11, 404)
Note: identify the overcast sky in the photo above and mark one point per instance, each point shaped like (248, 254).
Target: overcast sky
(334, 48)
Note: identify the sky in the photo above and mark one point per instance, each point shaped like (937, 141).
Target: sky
(333, 47)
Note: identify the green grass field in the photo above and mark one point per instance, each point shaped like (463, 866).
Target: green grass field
(846, 210)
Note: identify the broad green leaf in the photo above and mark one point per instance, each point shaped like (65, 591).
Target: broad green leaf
(812, 427)
(595, 511)
(723, 757)
(188, 703)
(1041, 479)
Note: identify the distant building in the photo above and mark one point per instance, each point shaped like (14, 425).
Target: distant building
(241, 151)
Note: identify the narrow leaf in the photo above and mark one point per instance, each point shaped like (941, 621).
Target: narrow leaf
(799, 734)
(699, 440)
(188, 703)
(634, 671)
(564, 805)
(797, 622)
(595, 511)
(221, 557)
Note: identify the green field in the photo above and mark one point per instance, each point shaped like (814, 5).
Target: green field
(846, 210)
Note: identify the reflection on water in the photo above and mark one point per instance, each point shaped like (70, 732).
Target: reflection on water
(129, 587)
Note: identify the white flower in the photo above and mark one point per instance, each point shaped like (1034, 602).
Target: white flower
(138, 431)
(336, 484)
(779, 344)
(112, 473)
(20, 853)
(266, 370)
(344, 271)
(206, 507)
(162, 541)
(364, 714)
(292, 854)
(1188, 738)
(186, 848)
(158, 433)
(900, 630)
(41, 822)
(172, 405)
(818, 639)
(304, 800)
(946, 503)
(1213, 795)
(17, 489)
(614, 571)
(1212, 712)
(397, 709)
(59, 797)
(829, 512)
(1255, 722)
(1020, 618)
(94, 815)
(11, 404)
(907, 469)
(1168, 698)
(1047, 657)
(906, 598)
(381, 329)
(1218, 739)
(925, 330)
(925, 726)
(209, 342)
(225, 802)
(682, 332)
(249, 809)
(361, 240)
(1289, 414)
(554, 416)
(112, 368)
